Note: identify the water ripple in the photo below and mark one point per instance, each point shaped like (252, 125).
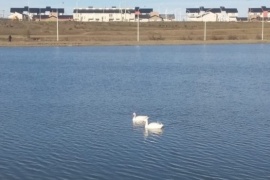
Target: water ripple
(68, 114)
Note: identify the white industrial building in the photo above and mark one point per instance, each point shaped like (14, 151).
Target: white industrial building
(92, 14)
(103, 14)
(27, 13)
(212, 14)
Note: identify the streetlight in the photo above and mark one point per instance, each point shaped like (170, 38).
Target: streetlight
(262, 26)
(204, 34)
(175, 11)
(28, 11)
(57, 35)
(138, 24)
(77, 10)
(263, 18)
(204, 31)
(249, 14)
(205, 23)
(57, 31)
(166, 14)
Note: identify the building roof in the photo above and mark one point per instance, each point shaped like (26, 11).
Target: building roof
(264, 8)
(144, 10)
(192, 10)
(231, 10)
(113, 10)
(213, 10)
(103, 10)
(48, 16)
(202, 9)
(255, 10)
(258, 10)
(36, 10)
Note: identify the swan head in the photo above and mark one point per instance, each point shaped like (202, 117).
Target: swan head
(134, 114)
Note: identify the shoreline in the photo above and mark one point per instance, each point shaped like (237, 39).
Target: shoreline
(125, 43)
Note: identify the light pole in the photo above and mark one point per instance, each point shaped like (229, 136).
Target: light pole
(120, 11)
(263, 19)
(138, 25)
(262, 27)
(28, 12)
(205, 23)
(249, 14)
(166, 14)
(204, 36)
(57, 24)
(77, 10)
(179, 14)
(57, 35)
(204, 30)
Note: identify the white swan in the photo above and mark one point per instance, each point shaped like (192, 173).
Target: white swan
(153, 125)
(139, 119)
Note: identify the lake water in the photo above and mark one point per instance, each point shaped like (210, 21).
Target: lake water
(66, 112)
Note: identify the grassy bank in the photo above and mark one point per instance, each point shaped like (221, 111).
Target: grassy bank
(26, 33)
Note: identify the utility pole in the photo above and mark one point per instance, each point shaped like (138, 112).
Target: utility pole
(28, 12)
(77, 10)
(138, 26)
(204, 31)
(57, 37)
(262, 27)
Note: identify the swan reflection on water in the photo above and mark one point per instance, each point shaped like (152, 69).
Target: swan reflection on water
(153, 132)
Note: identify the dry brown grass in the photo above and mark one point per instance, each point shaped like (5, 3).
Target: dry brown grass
(126, 32)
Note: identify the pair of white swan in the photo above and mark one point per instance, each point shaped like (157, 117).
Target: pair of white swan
(144, 119)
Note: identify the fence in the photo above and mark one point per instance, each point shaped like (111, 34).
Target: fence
(127, 31)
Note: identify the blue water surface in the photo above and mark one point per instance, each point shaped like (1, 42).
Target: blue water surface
(66, 112)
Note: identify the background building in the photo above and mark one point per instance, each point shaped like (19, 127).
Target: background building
(40, 14)
(257, 14)
(212, 14)
(91, 14)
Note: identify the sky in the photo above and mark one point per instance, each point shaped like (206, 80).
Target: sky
(177, 7)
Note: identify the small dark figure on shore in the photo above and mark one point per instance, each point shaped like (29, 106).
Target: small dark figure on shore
(9, 38)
